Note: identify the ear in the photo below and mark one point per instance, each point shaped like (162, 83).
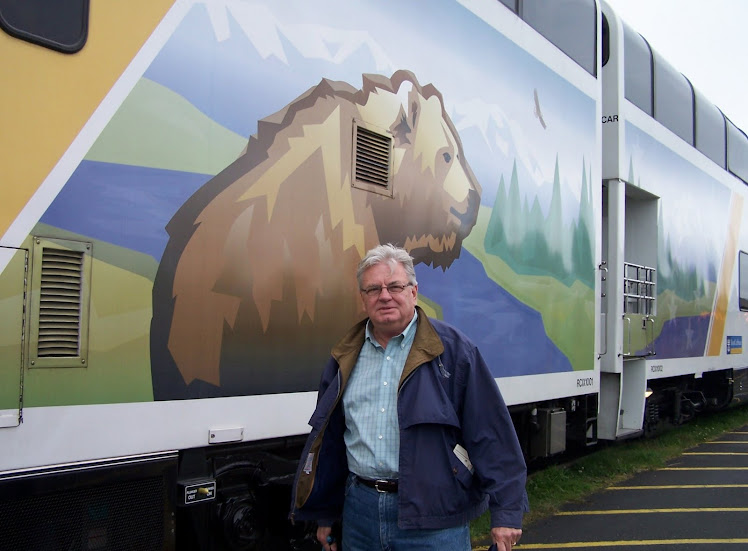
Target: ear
(404, 124)
(401, 128)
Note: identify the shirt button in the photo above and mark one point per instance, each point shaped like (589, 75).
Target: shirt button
(385, 383)
(382, 410)
(380, 436)
(388, 358)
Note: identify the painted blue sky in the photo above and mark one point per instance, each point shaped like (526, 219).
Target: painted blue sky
(239, 62)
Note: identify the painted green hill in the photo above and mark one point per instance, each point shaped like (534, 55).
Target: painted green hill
(567, 312)
(155, 127)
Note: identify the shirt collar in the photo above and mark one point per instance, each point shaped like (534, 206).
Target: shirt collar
(407, 333)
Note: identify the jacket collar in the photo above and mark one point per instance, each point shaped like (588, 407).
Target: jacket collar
(426, 346)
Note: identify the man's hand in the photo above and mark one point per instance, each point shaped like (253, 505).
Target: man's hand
(323, 533)
(504, 538)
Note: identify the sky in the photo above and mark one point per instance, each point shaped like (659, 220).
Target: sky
(704, 40)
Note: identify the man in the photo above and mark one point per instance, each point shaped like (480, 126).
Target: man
(411, 438)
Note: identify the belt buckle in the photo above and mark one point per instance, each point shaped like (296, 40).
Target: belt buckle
(384, 484)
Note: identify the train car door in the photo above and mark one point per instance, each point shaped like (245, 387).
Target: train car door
(629, 251)
(12, 311)
(639, 274)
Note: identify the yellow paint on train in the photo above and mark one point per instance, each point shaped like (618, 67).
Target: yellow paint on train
(715, 344)
(48, 96)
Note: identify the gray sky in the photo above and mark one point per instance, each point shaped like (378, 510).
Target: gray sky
(704, 40)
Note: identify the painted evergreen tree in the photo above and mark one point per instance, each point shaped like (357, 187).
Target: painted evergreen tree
(554, 224)
(673, 275)
(581, 247)
(495, 235)
(513, 212)
(532, 243)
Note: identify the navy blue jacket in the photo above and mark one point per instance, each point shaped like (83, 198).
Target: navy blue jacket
(447, 396)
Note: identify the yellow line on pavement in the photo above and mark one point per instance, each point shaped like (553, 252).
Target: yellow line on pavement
(703, 469)
(628, 543)
(678, 486)
(715, 453)
(644, 511)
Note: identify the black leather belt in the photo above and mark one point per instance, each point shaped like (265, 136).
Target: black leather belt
(388, 486)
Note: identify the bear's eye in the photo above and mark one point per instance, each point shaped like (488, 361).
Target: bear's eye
(447, 157)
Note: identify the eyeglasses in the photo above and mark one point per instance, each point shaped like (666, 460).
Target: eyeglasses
(392, 288)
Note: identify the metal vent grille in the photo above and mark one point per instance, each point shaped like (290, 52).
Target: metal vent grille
(373, 157)
(123, 516)
(60, 303)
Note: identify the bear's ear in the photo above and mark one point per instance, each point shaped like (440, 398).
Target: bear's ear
(405, 122)
(401, 129)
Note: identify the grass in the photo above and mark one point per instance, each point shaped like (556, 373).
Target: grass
(550, 488)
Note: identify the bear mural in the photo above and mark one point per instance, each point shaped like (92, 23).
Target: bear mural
(257, 281)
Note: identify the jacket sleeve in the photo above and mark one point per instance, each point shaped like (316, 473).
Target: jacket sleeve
(492, 443)
(322, 470)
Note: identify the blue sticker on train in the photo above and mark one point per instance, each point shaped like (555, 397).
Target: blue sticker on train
(734, 344)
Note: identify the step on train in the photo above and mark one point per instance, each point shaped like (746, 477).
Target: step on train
(188, 186)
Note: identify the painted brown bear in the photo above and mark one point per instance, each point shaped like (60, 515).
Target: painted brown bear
(257, 281)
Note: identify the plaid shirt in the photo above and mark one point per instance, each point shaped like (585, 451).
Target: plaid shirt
(372, 435)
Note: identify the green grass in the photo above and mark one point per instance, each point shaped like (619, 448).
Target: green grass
(550, 488)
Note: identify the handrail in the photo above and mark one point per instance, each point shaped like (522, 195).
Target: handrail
(651, 343)
(603, 316)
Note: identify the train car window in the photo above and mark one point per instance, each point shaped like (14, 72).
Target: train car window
(737, 152)
(673, 99)
(606, 41)
(709, 130)
(743, 277)
(569, 24)
(60, 25)
(511, 4)
(637, 69)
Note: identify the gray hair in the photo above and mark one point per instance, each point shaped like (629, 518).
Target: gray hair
(391, 255)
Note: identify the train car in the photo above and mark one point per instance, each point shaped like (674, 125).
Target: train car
(675, 236)
(189, 185)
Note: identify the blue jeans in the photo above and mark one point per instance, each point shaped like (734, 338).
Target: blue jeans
(370, 524)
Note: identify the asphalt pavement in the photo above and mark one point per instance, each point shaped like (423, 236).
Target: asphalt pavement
(699, 501)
